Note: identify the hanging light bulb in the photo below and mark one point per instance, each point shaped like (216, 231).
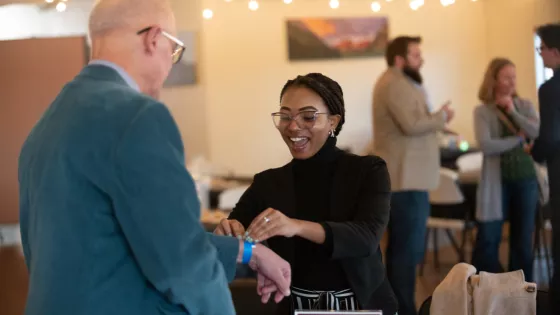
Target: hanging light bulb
(207, 14)
(253, 5)
(61, 7)
(49, 1)
(416, 4)
(288, 1)
(334, 4)
(375, 6)
(447, 2)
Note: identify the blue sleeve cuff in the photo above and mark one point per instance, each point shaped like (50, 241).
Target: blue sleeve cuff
(228, 248)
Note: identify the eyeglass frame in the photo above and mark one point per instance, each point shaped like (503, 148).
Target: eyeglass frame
(179, 49)
(292, 118)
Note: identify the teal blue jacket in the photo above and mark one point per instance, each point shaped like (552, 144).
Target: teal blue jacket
(109, 215)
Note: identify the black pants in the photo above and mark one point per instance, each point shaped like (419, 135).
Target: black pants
(555, 221)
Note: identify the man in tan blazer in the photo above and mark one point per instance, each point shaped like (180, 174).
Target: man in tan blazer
(405, 137)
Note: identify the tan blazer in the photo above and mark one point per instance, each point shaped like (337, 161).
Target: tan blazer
(462, 292)
(404, 132)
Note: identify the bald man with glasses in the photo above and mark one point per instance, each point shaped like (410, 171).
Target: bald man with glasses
(109, 215)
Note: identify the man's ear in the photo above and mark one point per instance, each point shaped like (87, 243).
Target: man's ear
(400, 61)
(151, 39)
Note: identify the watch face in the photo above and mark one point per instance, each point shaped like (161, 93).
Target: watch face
(338, 313)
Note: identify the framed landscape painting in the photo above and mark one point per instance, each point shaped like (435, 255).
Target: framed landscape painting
(336, 38)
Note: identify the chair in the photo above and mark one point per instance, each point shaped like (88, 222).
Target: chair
(541, 241)
(450, 213)
(469, 166)
(15, 279)
(470, 162)
(543, 307)
(229, 197)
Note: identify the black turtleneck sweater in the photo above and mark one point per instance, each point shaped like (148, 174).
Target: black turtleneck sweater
(313, 267)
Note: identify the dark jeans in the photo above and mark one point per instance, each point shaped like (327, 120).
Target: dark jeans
(520, 201)
(405, 249)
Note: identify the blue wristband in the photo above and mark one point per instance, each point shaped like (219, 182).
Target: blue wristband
(247, 252)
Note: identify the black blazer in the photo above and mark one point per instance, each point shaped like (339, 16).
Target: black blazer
(547, 145)
(359, 214)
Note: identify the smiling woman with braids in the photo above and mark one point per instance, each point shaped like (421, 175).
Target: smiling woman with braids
(325, 211)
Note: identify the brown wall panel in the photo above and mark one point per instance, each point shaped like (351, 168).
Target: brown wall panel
(32, 72)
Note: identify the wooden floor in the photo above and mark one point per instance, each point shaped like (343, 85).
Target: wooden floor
(13, 276)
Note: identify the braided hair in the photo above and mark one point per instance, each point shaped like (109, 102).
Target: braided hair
(328, 89)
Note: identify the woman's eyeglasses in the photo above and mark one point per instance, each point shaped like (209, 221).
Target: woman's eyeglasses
(179, 48)
(304, 120)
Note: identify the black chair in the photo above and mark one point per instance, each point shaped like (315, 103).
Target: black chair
(463, 213)
(543, 307)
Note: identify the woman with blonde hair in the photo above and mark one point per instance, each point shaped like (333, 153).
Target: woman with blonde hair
(505, 126)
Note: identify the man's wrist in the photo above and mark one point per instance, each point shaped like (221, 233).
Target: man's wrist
(246, 252)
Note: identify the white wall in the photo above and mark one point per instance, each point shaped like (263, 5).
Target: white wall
(19, 21)
(187, 103)
(246, 65)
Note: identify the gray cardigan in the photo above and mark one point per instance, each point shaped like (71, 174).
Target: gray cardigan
(488, 135)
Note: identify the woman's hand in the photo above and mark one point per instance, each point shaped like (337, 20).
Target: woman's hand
(505, 102)
(230, 228)
(272, 223)
(528, 147)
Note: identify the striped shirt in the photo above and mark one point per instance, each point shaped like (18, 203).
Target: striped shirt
(344, 300)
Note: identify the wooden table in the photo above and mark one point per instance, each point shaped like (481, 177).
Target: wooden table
(211, 218)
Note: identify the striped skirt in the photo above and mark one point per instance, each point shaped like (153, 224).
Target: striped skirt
(344, 300)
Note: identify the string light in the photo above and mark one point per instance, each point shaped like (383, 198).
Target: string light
(61, 7)
(253, 5)
(334, 4)
(207, 14)
(416, 4)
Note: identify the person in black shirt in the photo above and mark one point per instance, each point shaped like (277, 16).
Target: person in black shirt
(547, 146)
(325, 212)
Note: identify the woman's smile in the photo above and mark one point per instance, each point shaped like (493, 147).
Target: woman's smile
(298, 144)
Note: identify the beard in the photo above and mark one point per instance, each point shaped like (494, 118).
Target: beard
(413, 74)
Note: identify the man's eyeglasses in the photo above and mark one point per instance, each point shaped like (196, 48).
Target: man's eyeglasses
(179, 48)
(304, 120)
(540, 49)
